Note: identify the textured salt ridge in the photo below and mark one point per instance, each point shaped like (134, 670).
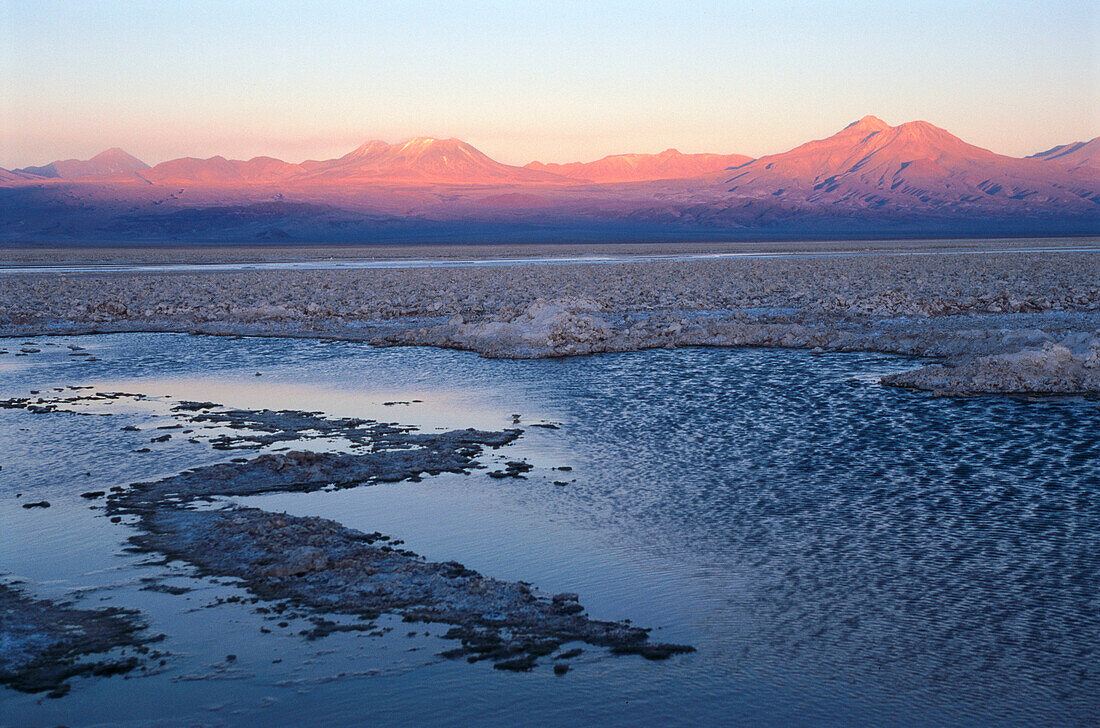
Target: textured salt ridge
(1054, 368)
(324, 566)
(960, 308)
(319, 564)
(43, 644)
(1037, 364)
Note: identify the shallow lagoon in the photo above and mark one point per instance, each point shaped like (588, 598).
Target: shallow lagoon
(840, 553)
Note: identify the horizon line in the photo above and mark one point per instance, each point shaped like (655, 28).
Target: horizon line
(426, 137)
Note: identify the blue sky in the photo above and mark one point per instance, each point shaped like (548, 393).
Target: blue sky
(554, 81)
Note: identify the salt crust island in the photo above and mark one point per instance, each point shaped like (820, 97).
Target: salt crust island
(993, 321)
(301, 566)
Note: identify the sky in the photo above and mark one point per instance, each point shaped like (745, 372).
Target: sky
(552, 81)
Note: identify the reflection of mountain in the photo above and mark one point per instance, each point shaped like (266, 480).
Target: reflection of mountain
(869, 179)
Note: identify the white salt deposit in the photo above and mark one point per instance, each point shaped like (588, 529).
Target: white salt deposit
(999, 322)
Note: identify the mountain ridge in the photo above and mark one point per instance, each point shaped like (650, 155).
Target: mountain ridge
(110, 162)
(669, 164)
(424, 159)
(1073, 155)
(870, 163)
(867, 176)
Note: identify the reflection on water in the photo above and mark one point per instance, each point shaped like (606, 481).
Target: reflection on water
(841, 553)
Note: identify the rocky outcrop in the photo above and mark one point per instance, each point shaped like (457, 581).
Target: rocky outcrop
(1054, 368)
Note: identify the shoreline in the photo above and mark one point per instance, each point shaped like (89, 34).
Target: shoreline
(993, 321)
(1016, 361)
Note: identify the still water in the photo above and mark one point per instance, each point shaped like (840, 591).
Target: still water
(840, 553)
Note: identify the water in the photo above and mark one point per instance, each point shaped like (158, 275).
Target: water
(389, 264)
(840, 553)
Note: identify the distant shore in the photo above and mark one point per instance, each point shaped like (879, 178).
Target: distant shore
(122, 252)
(1020, 315)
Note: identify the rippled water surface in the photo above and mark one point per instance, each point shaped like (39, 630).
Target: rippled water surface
(840, 553)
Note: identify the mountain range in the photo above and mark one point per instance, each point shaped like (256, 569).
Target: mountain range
(870, 164)
(869, 179)
(114, 161)
(669, 164)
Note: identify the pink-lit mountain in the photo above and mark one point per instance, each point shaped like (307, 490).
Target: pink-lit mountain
(423, 160)
(869, 179)
(11, 178)
(669, 164)
(1078, 154)
(219, 171)
(419, 161)
(912, 166)
(114, 161)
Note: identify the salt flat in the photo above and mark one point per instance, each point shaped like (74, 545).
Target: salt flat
(997, 316)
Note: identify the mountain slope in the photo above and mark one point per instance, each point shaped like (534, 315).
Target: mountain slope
(669, 164)
(422, 160)
(1078, 154)
(266, 169)
(111, 162)
(914, 166)
(213, 171)
(219, 171)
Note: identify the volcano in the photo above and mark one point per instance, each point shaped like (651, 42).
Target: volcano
(114, 161)
(423, 160)
(912, 166)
